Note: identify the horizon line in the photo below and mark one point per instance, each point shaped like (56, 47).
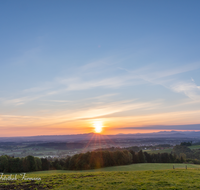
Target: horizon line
(103, 134)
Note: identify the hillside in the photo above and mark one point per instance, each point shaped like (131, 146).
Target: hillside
(147, 180)
(131, 167)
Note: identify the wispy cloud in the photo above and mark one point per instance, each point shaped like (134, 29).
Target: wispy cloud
(166, 127)
(58, 101)
(25, 99)
(20, 101)
(80, 80)
(164, 78)
(188, 88)
(165, 118)
(152, 74)
(85, 113)
(81, 84)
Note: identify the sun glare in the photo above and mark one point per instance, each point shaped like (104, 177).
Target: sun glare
(98, 126)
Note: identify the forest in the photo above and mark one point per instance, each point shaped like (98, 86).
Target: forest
(90, 160)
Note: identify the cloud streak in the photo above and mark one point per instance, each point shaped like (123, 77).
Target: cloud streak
(76, 115)
(188, 88)
(64, 95)
(144, 75)
(166, 127)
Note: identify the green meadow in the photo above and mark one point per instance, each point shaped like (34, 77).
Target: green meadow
(148, 180)
(135, 176)
(169, 150)
(194, 147)
(132, 167)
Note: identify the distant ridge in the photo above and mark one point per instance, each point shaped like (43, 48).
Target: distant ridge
(88, 136)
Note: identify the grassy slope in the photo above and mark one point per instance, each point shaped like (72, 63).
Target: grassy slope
(148, 180)
(156, 176)
(194, 147)
(132, 167)
(167, 150)
(134, 180)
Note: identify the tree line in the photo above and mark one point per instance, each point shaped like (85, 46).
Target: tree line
(189, 143)
(85, 161)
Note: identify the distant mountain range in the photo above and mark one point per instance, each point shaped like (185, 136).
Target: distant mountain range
(93, 136)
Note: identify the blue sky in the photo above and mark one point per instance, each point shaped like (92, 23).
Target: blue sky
(128, 64)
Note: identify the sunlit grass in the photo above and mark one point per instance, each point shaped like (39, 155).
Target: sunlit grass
(132, 167)
(147, 180)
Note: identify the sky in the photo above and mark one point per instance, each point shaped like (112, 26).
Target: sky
(68, 67)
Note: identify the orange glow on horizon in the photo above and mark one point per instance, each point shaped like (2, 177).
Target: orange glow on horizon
(80, 123)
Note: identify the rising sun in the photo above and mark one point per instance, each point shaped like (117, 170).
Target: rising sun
(98, 126)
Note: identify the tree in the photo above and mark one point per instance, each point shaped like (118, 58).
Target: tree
(166, 158)
(38, 163)
(14, 164)
(148, 157)
(25, 164)
(4, 164)
(66, 164)
(182, 157)
(141, 157)
(134, 157)
(183, 149)
(189, 143)
(45, 164)
(31, 163)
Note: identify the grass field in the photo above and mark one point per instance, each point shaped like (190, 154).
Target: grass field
(194, 147)
(132, 167)
(118, 180)
(168, 150)
(149, 180)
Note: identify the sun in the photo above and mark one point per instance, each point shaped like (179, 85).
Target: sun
(97, 126)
